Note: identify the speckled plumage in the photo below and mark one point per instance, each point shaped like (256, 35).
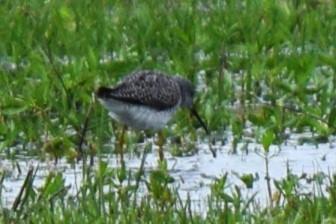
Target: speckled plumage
(146, 99)
(153, 89)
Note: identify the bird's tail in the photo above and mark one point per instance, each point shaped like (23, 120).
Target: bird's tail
(103, 92)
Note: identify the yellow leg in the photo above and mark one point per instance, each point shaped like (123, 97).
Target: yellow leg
(160, 143)
(121, 144)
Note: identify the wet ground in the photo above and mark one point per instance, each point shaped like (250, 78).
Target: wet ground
(194, 174)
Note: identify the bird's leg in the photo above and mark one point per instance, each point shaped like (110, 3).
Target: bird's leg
(121, 144)
(160, 143)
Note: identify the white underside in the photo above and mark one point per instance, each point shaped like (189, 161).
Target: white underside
(138, 117)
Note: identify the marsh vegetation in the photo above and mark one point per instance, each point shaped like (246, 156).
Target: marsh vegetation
(265, 78)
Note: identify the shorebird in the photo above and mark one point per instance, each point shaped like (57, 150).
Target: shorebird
(146, 100)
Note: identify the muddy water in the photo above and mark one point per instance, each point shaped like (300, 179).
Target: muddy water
(194, 174)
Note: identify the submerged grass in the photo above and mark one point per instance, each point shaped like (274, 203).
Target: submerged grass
(266, 63)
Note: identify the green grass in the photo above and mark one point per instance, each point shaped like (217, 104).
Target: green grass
(103, 199)
(269, 63)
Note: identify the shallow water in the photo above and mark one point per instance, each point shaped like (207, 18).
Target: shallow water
(194, 174)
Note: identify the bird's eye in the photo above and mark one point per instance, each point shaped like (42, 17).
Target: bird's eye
(192, 93)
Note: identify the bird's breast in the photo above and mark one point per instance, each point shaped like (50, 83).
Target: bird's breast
(138, 116)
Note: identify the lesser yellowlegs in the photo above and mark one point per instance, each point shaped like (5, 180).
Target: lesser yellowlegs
(146, 100)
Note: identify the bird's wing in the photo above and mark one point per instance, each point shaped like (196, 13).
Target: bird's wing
(147, 88)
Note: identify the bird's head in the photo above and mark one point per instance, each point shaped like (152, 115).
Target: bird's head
(187, 92)
(187, 97)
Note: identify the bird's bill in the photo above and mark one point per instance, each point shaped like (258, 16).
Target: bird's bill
(194, 112)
